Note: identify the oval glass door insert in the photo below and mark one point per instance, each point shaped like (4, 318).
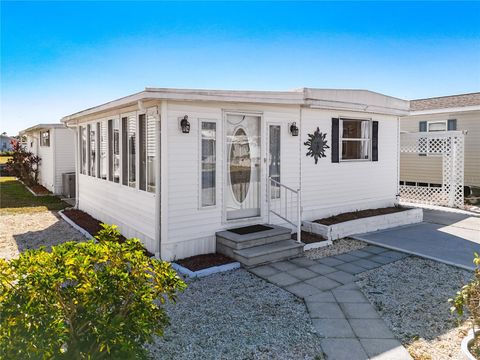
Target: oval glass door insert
(240, 165)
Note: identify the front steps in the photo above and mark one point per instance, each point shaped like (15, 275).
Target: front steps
(259, 247)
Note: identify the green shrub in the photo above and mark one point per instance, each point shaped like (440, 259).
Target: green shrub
(468, 298)
(84, 300)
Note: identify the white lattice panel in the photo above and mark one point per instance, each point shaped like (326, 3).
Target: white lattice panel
(448, 144)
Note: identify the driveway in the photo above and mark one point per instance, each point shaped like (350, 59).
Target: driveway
(448, 237)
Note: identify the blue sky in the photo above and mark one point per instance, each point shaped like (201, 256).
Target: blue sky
(61, 57)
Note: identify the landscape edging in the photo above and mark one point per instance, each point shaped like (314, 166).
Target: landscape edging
(75, 226)
(205, 272)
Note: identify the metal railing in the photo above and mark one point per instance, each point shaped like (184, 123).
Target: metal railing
(285, 202)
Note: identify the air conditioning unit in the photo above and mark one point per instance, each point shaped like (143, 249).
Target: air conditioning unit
(69, 184)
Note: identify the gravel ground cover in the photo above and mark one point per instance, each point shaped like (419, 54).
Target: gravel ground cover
(236, 315)
(412, 297)
(338, 247)
(20, 232)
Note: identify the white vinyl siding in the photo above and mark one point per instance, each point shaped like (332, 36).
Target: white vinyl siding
(181, 238)
(332, 188)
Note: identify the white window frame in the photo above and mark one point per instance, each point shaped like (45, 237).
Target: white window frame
(199, 173)
(42, 139)
(267, 154)
(341, 138)
(437, 122)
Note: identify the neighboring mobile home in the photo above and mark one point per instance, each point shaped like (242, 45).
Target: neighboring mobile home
(173, 167)
(446, 113)
(5, 143)
(54, 144)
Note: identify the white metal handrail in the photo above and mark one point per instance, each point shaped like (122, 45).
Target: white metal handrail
(280, 201)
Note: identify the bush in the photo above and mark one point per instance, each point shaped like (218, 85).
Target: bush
(23, 164)
(468, 298)
(88, 300)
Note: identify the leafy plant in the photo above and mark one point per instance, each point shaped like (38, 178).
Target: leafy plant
(24, 164)
(88, 300)
(468, 298)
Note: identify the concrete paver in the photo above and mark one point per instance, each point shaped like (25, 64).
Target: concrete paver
(349, 325)
(385, 349)
(343, 349)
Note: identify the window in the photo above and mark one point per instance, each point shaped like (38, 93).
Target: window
(45, 138)
(125, 150)
(102, 131)
(141, 149)
(274, 159)
(208, 165)
(93, 150)
(151, 149)
(83, 150)
(437, 126)
(114, 150)
(355, 139)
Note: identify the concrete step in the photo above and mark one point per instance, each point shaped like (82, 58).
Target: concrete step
(261, 254)
(236, 241)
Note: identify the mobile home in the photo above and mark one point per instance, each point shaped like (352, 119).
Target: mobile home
(440, 114)
(54, 144)
(174, 167)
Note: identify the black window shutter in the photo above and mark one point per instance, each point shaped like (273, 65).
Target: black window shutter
(422, 126)
(335, 138)
(374, 140)
(452, 124)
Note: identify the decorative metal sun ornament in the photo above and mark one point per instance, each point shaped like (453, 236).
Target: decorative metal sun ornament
(316, 145)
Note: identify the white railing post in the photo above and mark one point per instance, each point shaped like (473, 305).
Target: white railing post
(269, 197)
(299, 216)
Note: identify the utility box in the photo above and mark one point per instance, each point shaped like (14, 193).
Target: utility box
(69, 184)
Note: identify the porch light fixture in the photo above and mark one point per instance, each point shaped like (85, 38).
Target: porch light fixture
(294, 129)
(185, 125)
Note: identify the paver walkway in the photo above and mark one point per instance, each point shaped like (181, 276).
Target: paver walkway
(348, 324)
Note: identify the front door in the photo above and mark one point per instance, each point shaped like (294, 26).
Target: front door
(243, 154)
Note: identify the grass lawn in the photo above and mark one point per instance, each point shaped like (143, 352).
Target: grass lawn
(4, 159)
(16, 199)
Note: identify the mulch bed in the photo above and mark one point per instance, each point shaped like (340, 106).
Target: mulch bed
(309, 238)
(39, 190)
(90, 224)
(337, 219)
(200, 262)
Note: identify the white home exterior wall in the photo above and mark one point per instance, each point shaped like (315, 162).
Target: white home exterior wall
(331, 188)
(131, 209)
(56, 159)
(188, 229)
(64, 155)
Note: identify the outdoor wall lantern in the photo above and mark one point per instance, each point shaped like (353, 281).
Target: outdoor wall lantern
(294, 129)
(185, 125)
